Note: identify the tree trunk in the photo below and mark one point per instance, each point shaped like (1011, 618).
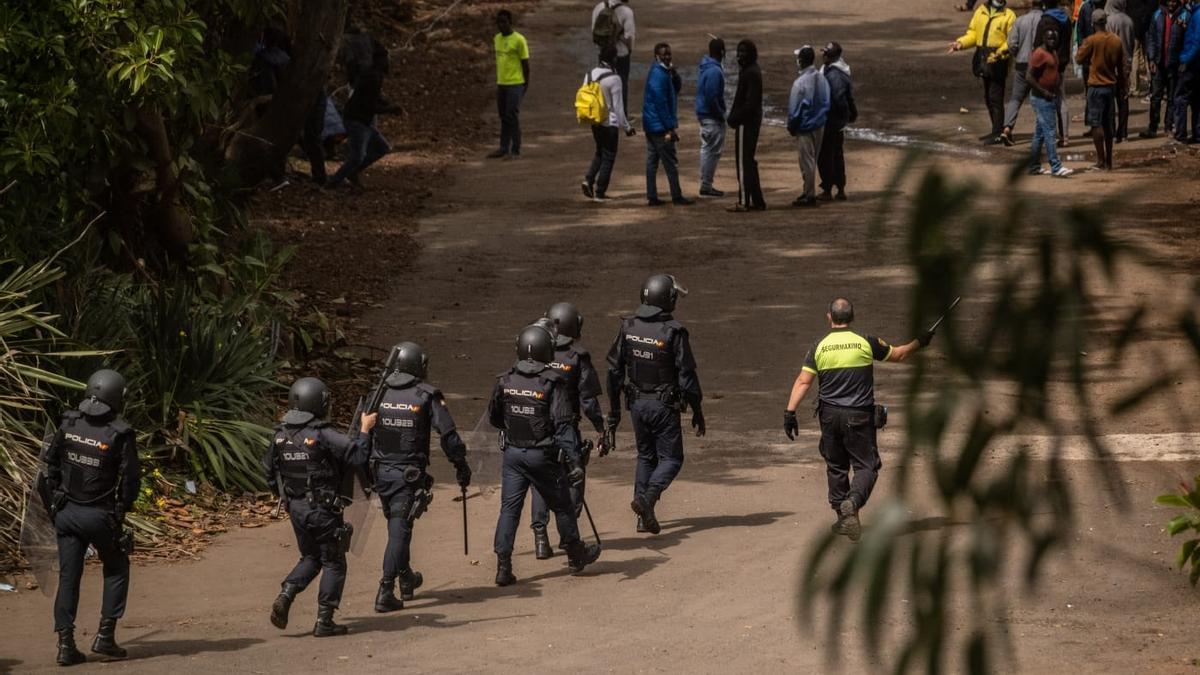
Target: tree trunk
(315, 28)
(172, 223)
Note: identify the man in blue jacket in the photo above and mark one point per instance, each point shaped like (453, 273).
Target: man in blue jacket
(808, 107)
(710, 110)
(660, 122)
(1163, 41)
(1187, 88)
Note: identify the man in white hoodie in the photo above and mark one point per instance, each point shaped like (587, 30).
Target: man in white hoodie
(608, 133)
(1121, 24)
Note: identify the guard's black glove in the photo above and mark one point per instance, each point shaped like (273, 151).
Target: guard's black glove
(612, 420)
(790, 426)
(698, 421)
(925, 338)
(576, 473)
(462, 473)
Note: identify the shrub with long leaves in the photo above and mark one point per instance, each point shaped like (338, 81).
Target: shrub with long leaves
(1188, 498)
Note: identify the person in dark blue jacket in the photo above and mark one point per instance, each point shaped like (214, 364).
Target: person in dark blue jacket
(1163, 43)
(710, 110)
(831, 161)
(1187, 88)
(660, 121)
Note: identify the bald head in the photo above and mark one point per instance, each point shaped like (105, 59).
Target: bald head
(841, 312)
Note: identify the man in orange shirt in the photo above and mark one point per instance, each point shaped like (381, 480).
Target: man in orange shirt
(1104, 55)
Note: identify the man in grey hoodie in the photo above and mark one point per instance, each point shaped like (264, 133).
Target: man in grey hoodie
(1121, 24)
(1020, 44)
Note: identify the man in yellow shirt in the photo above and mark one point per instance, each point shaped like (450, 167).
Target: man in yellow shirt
(988, 34)
(512, 81)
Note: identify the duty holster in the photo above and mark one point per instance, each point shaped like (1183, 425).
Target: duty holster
(672, 396)
(422, 495)
(881, 413)
(342, 536)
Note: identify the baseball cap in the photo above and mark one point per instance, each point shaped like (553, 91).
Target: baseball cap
(806, 51)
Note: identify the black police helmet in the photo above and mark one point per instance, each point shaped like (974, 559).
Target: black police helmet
(105, 393)
(307, 400)
(412, 359)
(661, 291)
(535, 343)
(567, 319)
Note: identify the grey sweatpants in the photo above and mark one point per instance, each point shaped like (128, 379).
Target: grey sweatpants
(809, 146)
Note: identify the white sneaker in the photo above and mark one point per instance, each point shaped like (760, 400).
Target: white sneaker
(1062, 172)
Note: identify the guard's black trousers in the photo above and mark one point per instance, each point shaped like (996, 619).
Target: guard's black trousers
(539, 512)
(540, 469)
(848, 442)
(659, 438)
(316, 536)
(396, 495)
(76, 527)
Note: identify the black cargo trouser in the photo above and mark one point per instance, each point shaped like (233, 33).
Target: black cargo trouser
(659, 437)
(539, 511)
(540, 469)
(848, 443)
(77, 526)
(316, 529)
(396, 495)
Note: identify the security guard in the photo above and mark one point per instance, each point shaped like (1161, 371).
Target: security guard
(91, 481)
(305, 463)
(842, 364)
(651, 360)
(409, 410)
(574, 363)
(531, 405)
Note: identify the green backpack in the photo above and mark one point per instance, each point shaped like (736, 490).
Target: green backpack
(607, 30)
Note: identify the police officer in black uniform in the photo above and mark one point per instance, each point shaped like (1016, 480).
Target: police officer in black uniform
(409, 410)
(574, 363)
(92, 478)
(651, 361)
(531, 405)
(307, 461)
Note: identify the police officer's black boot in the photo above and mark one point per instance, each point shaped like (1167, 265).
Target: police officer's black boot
(68, 654)
(282, 605)
(504, 573)
(325, 627)
(385, 599)
(410, 581)
(106, 640)
(541, 544)
(580, 555)
(641, 527)
(848, 523)
(643, 505)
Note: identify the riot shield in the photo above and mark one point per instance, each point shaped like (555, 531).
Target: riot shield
(484, 453)
(39, 544)
(361, 512)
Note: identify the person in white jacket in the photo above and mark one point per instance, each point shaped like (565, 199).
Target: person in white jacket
(607, 134)
(627, 34)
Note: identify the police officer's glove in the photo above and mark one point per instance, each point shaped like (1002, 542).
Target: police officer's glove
(575, 475)
(790, 426)
(925, 338)
(462, 473)
(612, 420)
(698, 421)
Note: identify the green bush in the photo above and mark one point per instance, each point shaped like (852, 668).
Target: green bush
(1189, 551)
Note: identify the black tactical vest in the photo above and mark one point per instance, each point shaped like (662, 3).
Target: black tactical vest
(90, 463)
(402, 433)
(650, 354)
(566, 362)
(527, 421)
(302, 456)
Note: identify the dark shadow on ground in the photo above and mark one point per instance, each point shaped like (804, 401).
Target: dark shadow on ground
(7, 665)
(675, 532)
(405, 619)
(140, 648)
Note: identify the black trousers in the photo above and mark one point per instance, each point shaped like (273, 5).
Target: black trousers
(508, 105)
(848, 444)
(600, 172)
(1187, 95)
(993, 97)
(310, 137)
(537, 468)
(78, 526)
(659, 437)
(832, 161)
(622, 66)
(745, 145)
(316, 536)
(396, 495)
(539, 511)
(1162, 88)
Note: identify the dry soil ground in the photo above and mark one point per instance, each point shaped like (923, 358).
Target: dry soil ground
(715, 592)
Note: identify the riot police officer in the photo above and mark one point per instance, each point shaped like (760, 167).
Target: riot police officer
(574, 363)
(409, 410)
(531, 405)
(305, 464)
(91, 481)
(651, 361)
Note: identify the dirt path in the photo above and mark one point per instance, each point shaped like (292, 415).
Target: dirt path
(715, 591)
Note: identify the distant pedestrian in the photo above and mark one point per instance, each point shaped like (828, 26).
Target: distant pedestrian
(1055, 18)
(512, 83)
(710, 111)
(1083, 31)
(365, 145)
(988, 34)
(1120, 23)
(1187, 90)
(1020, 44)
(808, 108)
(746, 119)
(607, 134)
(1105, 57)
(1164, 42)
(1043, 77)
(842, 111)
(613, 23)
(660, 122)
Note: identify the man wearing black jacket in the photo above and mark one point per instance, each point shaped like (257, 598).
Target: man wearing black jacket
(365, 144)
(842, 111)
(746, 119)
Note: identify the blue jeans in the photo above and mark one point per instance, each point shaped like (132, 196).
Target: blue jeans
(364, 146)
(659, 438)
(661, 148)
(1045, 133)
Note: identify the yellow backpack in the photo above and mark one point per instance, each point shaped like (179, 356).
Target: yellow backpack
(590, 108)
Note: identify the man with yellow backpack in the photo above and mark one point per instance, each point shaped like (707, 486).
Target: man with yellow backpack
(600, 104)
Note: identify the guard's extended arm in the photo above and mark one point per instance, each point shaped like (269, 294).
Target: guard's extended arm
(689, 381)
(589, 392)
(452, 443)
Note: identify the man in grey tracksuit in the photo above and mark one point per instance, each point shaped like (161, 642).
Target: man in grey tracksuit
(1121, 24)
(1020, 45)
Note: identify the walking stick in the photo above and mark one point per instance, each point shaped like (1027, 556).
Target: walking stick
(466, 551)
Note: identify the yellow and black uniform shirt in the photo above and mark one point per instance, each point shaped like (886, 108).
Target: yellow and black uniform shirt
(842, 362)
